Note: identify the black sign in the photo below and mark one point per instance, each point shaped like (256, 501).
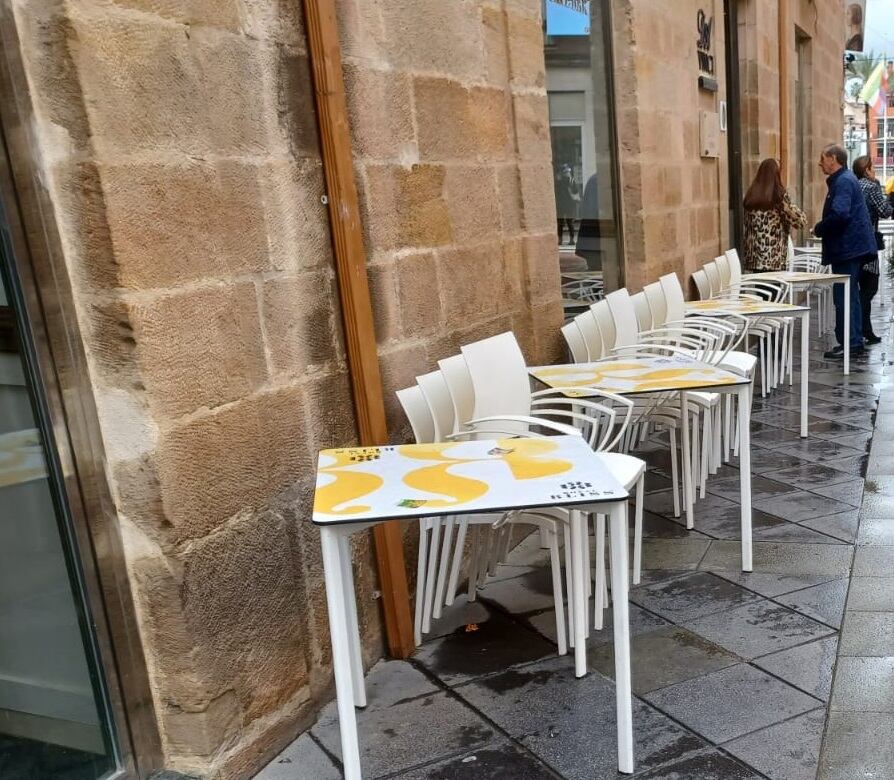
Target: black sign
(705, 27)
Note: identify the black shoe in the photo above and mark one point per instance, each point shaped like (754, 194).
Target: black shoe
(873, 339)
(836, 353)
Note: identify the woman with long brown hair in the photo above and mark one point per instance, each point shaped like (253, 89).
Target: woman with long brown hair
(879, 208)
(770, 216)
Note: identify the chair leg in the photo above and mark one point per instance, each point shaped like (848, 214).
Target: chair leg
(569, 581)
(727, 428)
(453, 583)
(707, 437)
(474, 563)
(443, 563)
(558, 600)
(600, 599)
(638, 530)
(433, 555)
(675, 476)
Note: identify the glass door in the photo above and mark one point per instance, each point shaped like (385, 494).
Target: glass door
(54, 722)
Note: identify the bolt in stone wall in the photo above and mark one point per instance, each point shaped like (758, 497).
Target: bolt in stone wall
(179, 146)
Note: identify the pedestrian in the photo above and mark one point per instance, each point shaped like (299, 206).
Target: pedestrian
(770, 216)
(879, 208)
(889, 191)
(589, 235)
(567, 198)
(848, 242)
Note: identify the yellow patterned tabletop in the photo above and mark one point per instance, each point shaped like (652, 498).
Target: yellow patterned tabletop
(21, 457)
(360, 484)
(634, 375)
(800, 277)
(745, 308)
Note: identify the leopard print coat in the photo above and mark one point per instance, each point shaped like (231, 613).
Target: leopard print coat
(766, 235)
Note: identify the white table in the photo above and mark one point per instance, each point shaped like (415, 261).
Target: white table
(359, 487)
(638, 375)
(803, 280)
(758, 309)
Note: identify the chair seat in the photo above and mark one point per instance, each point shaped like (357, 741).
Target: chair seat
(742, 363)
(624, 468)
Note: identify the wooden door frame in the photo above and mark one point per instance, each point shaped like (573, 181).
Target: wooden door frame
(324, 51)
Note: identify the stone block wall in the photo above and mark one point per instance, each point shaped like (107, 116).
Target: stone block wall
(178, 144)
(674, 201)
(452, 152)
(817, 27)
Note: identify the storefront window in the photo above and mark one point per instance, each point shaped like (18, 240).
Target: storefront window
(578, 80)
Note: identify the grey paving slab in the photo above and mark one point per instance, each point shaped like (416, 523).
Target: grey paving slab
(842, 526)
(663, 657)
(859, 441)
(651, 576)
(871, 594)
(781, 558)
(493, 761)
(303, 758)
(877, 505)
(731, 703)
(809, 475)
(457, 615)
(395, 738)
(868, 634)
(786, 751)
(808, 667)
(706, 765)
(387, 683)
(879, 465)
(765, 461)
(850, 492)
(864, 685)
(840, 431)
(640, 622)
(757, 629)
(771, 585)
(821, 602)
(570, 723)
(726, 523)
(874, 562)
(692, 595)
(877, 531)
(855, 465)
(819, 450)
(761, 487)
(528, 592)
(800, 505)
(773, 437)
(497, 644)
(660, 527)
(674, 553)
(662, 503)
(847, 754)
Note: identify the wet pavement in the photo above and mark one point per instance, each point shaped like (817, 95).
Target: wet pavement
(784, 673)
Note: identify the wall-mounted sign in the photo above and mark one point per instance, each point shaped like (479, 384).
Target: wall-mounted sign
(705, 27)
(567, 17)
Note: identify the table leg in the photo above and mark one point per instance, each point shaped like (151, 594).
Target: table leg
(805, 368)
(847, 327)
(577, 595)
(341, 650)
(686, 461)
(621, 627)
(745, 472)
(344, 542)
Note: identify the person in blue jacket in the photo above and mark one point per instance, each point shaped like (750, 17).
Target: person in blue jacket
(848, 242)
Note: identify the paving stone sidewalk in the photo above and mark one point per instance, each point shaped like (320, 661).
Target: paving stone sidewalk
(733, 673)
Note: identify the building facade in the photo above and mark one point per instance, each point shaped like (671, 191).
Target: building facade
(171, 312)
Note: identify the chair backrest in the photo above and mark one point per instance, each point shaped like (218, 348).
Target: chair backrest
(603, 317)
(499, 376)
(456, 375)
(735, 266)
(674, 300)
(623, 317)
(417, 412)
(577, 347)
(713, 274)
(437, 396)
(723, 268)
(641, 307)
(589, 329)
(702, 284)
(657, 305)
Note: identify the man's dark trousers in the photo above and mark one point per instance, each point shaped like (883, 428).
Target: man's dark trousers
(852, 268)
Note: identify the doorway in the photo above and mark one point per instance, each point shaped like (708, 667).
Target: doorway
(54, 712)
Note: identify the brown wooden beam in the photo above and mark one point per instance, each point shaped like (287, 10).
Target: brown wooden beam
(324, 50)
(784, 34)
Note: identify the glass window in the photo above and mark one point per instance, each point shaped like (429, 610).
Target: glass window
(577, 45)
